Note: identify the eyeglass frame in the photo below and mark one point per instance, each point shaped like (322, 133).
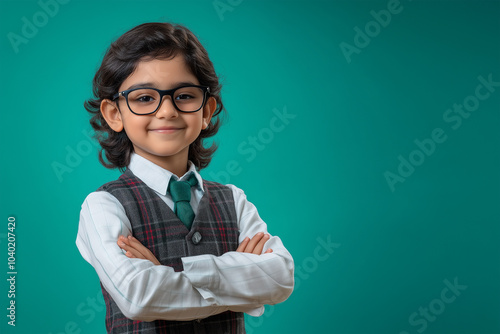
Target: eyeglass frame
(169, 92)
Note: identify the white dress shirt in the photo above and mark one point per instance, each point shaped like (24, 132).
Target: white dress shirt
(209, 284)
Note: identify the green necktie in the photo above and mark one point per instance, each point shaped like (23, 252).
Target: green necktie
(181, 195)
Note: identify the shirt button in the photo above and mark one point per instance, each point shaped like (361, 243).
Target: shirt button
(196, 238)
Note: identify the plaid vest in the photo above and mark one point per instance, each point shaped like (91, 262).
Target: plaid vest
(214, 231)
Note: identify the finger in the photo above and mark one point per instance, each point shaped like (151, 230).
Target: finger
(260, 246)
(143, 250)
(255, 240)
(270, 250)
(121, 242)
(124, 240)
(130, 255)
(138, 246)
(243, 245)
(134, 252)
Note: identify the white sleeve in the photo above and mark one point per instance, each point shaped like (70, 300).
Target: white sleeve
(142, 290)
(248, 280)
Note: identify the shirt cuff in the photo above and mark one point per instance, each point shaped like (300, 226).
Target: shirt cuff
(199, 270)
(256, 312)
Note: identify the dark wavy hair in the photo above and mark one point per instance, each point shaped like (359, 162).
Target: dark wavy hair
(144, 42)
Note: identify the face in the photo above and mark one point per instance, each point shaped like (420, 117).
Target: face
(163, 137)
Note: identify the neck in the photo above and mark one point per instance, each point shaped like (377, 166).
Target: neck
(176, 164)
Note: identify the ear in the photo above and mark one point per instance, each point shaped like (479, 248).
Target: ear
(208, 111)
(112, 115)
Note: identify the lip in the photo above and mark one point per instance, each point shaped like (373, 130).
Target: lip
(165, 129)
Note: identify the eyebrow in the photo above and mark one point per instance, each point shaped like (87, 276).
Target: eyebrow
(153, 85)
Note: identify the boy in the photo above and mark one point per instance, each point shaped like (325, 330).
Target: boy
(173, 252)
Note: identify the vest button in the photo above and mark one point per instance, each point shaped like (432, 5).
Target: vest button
(196, 238)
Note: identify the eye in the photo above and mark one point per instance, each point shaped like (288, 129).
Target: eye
(144, 98)
(184, 96)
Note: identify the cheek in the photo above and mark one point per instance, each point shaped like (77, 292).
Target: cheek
(195, 123)
(135, 124)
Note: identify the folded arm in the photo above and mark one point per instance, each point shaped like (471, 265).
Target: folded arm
(244, 279)
(237, 281)
(141, 290)
(135, 250)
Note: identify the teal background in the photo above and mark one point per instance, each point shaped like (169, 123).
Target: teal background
(320, 176)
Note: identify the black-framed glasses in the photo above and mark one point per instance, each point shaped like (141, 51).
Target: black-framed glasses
(147, 100)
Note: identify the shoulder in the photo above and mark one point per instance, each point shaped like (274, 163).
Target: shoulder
(238, 193)
(98, 198)
(106, 195)
(210, 186)
(226, 190)
(123, 181)
(98, 205)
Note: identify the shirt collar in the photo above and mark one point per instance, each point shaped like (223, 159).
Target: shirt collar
(156, 177)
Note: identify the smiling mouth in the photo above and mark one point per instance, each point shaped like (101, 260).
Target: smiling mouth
(166, 130)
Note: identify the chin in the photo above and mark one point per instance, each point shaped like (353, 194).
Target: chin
(167, 153)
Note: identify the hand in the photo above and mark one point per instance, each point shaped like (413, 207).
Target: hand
(136, 250)
(254, 245)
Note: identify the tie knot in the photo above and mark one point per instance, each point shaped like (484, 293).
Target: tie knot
(181, 190)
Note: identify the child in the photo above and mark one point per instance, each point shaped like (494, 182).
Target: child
(174, 253)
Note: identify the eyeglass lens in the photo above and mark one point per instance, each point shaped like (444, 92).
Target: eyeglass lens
(145, 101)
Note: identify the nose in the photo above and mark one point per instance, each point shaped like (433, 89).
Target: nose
(167, 109)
